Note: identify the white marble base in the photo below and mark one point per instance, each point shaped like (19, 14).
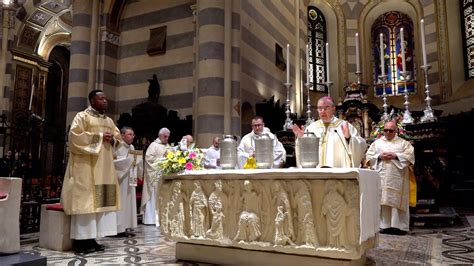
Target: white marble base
(236, 256)
(10, 215)
(55, 230)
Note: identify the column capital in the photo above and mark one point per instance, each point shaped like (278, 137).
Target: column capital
(194, 10)
(110, 37)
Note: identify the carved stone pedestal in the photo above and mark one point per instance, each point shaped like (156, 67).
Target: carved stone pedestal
(327, 214)
(235, 256)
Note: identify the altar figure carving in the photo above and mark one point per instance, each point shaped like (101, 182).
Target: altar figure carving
(304, 207)
(217, 202)
(249, 222)
(351, 195)
(176, 211)
(335, 209)
(198, 211)
(283, 218)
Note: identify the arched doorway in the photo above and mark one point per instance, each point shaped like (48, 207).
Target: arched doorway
(53, 148)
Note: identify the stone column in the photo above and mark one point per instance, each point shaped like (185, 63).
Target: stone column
(235, 127)
(210, 65)
(80, 61)
(217, 94)
(7, 14)
(106, 57)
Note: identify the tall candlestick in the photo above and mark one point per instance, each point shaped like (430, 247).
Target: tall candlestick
(402, 50)
(382, 54)
(328, 77)
(307, 64)
(32, 92)
(288, 63)
(357, 53)
(423, 45)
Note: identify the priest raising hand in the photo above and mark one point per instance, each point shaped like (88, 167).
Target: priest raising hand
(340, 145)
(345, 130)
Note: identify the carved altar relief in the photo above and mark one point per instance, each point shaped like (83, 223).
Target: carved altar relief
(176, 211)
(335, 209)
(249, 221)
(283, 219)
(318, 216)
(217, 203)
(304, 211)
(198, 211)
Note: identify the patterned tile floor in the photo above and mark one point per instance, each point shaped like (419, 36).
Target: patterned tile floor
(435, 247)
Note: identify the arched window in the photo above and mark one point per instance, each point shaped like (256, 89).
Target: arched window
(467, 15)
(389, 24)
(316, 45)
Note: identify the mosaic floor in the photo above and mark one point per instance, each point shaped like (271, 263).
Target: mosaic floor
(435, 247)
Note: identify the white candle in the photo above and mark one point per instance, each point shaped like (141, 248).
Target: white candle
(328, 78)
(32, 92)
(402, 48)
(357, 53)
(307, 64)
(423, 45)
(288, 63)
(382, 55)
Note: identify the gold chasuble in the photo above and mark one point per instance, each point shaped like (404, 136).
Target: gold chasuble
(90, 182)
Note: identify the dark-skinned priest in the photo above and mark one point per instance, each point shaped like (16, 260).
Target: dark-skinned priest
(90, 192)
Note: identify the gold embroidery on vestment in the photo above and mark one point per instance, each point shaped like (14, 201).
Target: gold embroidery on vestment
(105, 195)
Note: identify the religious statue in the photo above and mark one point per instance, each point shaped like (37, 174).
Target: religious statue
(217, 202)
(335, 209)
(176, 211)
(249, 222)
(304, 207)
(283, 218)
(198, 211)
(154, 89)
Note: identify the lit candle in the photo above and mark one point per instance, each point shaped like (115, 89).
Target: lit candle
(423, 45)
(328, 78)
(307, 63)
(288, 63)
(382, 55)
(32, 92)
(357, 53)
(402, 48)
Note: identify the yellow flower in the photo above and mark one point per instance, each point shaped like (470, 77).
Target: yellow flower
(181, 160)
(169, 155)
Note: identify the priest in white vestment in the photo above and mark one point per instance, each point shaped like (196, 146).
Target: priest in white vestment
(128, 164)
(246, 148)
(212, 155)
(391, 156)
(156, 150)
(340, 145)
(90, 192)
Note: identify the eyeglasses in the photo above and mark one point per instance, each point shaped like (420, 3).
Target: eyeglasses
(323, 108)
(388, 130)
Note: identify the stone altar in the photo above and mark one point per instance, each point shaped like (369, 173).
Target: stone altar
(328, 214)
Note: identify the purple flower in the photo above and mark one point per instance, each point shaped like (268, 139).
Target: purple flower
(188, 166)
(192, 155)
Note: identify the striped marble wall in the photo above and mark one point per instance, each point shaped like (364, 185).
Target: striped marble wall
(264, 23)
(174, 69)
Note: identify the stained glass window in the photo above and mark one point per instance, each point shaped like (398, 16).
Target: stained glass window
(316, 45)
(389, 25)
(467, 8)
